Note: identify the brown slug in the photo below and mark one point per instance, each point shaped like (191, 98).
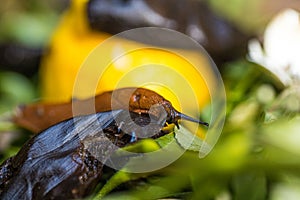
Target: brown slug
(40, 116)
(66, 160)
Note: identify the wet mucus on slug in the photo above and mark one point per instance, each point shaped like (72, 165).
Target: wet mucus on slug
(39, 116)
(66, 160)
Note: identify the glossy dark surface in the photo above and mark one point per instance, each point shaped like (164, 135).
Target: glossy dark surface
(66, 160)
(191, 17)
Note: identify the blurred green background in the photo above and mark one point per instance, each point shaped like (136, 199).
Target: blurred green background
(258, 154)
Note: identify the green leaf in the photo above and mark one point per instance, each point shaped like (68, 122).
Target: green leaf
(283, 135)
(189, 141)
(250, 186)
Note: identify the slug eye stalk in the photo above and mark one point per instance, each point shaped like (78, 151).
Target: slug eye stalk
(188, 118)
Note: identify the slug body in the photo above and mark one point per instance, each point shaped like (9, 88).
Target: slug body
(66, 160)
(38, 117)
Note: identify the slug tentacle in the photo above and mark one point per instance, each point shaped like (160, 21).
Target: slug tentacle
(188, 118)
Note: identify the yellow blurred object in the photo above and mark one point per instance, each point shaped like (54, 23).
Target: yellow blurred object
(73, 42)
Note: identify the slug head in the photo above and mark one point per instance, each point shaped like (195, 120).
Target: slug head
(173, 116)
